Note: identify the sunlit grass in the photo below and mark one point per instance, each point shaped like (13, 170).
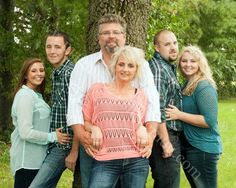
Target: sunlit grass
(227, 163)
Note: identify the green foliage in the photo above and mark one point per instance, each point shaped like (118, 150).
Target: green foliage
(163, 15)
(218, 25)
(35, 18)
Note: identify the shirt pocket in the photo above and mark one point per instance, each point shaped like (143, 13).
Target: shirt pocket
(43, 109)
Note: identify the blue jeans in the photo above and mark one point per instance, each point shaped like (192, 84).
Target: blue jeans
(51, 169)
(133, 173)
(86, 163)
(200, 167)
(166, 171)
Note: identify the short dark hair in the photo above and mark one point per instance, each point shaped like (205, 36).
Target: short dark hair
(157, 35)
(65, 36)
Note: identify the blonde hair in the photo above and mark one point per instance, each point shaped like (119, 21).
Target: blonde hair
(203, 73)
(131, 54)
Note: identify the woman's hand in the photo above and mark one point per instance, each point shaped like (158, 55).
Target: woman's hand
(172, 113)
(147, 150)
(62, 138)
(97, 137)
(141, 136)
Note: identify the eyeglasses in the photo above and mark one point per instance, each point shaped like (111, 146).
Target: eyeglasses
(108, 33)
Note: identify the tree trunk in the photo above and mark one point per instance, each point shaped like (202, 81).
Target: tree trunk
(6, 76)
(135, 13)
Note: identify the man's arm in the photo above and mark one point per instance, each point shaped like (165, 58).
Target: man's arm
(164, 139)
(160, 88)
(147, 83)
(84, 138)
(71, 159)
(77, 90)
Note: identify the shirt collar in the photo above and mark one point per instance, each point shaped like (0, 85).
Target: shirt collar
(99, 57)
(57, 71)
(28, 88)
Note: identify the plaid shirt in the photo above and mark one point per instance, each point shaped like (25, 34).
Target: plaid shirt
(168, 86)
(60, 83)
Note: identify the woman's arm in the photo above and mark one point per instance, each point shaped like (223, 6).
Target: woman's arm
(24, 113)
(173, 113)
(96, 134)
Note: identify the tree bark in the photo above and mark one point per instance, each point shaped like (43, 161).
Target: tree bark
(6, 76)
(135, 13)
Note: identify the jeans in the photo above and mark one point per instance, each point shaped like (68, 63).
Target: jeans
(51, 169)
(133, 173)
(166, 171)
(86, 163)
(200, 167)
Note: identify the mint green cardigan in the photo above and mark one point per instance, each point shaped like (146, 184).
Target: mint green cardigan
(31, 119)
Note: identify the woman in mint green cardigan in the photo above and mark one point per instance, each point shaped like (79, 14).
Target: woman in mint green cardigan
(201, 140)
(30, 117)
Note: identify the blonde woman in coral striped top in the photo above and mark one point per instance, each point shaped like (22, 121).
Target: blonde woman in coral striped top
(114, 114)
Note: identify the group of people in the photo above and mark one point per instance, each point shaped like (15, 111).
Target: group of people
(117, 114)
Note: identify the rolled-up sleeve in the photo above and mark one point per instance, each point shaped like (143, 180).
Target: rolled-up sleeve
(77, 91)
(147, 83)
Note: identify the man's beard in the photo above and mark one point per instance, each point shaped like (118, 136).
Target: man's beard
(112, 49)
(172, 59)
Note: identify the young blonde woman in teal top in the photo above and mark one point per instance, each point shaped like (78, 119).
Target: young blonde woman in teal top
(30, 116)
(201, 140)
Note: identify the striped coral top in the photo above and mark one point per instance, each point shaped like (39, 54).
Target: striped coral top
(118, 120)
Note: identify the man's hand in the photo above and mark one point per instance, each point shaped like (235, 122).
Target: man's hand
(165, 141)
(167, 149)
(62, 138)
(84, 138)
(71, 159)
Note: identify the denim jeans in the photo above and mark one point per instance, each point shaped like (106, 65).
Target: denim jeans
(133, 173)
(51, 169)
(200, 167)
(166, 171)
(86, 163)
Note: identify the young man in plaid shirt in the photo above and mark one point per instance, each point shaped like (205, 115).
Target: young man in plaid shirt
(58, 48)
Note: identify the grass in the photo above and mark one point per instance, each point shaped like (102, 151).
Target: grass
(226, 167)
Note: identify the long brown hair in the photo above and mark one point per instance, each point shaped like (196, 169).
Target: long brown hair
(24, 73)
